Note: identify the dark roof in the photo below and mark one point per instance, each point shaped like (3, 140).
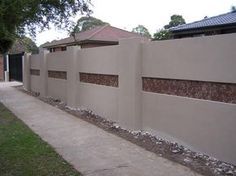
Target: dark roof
(220, 20)
(105, 33)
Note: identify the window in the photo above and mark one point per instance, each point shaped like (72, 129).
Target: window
(52, 50)
(63, 48)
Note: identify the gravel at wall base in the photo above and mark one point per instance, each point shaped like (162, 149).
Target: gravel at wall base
(198, 162)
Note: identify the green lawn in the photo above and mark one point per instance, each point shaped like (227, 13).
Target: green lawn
(23, 153)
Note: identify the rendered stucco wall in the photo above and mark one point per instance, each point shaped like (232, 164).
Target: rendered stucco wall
(101, 60)
(57, 61)
(208, 58)
(35, 64)
(205, 65)
(57, 88)
(202, 125)
(101, 99)
(206, 126)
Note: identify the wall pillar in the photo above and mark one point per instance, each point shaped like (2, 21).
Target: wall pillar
(130, 84)
(72, 76)
(43, 72)
(26, 71)
(6, 72)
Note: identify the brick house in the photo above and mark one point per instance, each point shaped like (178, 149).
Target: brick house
(96, 37)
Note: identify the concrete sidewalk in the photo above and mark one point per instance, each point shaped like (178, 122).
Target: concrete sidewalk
(88, 148)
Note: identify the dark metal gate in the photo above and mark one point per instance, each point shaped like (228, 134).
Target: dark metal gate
(15, 67)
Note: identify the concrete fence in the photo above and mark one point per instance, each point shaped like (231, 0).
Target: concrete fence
(182, 90)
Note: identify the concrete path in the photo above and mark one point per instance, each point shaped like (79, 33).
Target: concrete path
(88, 148)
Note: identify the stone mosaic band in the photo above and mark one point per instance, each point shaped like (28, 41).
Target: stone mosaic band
(35, 72)
(101, 79)
(222, 92)
(57, 74)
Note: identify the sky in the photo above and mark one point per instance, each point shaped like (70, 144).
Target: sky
(153, 14)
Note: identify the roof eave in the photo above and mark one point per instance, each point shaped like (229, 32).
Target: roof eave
(204, 28)
(83, 42)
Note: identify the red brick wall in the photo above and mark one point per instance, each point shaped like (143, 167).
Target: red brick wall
(223, 92)
(101, 79)
(57, 74)
(1, 68)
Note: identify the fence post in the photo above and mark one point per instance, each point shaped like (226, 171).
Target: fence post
(26, 71)
(72, 76)
(6, 71)
(130, 83)
(43, 72)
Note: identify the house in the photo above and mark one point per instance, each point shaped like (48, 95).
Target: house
(221, 24)
(96, 37)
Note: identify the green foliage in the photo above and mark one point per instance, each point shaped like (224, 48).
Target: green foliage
(6, 43)
(86, 23)
(24, 44)
(165, 34)
(23, 153)
(162, 34)
(175, 20)
(18, 16)
(233, 9)
(140, 29)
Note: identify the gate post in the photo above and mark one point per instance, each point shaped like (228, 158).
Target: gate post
(6, 72)
(26, 71)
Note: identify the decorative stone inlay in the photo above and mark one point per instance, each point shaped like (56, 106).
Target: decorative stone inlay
(57, 74)
(101, 79)
(222, 92)
(35, 72)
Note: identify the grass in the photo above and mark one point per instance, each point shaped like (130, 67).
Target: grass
(23, 153)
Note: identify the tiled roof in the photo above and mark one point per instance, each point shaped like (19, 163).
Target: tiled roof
(105, 33)
(224, 19)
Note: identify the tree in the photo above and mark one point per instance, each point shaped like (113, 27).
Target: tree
(233, 9)
(162, 34)
(140, 29)
(165, 33)
(19, 16)
(24, 44)
(175, 20)
(86, 23)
